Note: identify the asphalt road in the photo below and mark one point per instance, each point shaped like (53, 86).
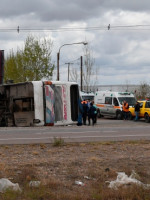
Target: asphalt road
(104, 130)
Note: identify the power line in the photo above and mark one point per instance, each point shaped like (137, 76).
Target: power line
(73, 29)
(73, 62)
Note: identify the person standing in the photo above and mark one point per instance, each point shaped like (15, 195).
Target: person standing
(95, 113)
(85, 111)
(125, 109)
(137, 110)
(91, 114)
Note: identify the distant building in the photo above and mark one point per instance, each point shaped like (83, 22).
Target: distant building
(118, 88)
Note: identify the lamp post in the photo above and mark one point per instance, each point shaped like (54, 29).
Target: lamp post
(58, 55)
(81, 73)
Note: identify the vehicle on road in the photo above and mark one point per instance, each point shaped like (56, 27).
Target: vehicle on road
(87, 95)
(144, 110)
(39, 103)
(110, 103)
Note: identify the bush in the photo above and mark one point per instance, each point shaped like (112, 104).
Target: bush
(58, 142)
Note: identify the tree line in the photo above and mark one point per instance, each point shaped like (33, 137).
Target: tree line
(31, 63)
(34, 62)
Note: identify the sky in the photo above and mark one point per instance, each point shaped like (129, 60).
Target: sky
(121, 53)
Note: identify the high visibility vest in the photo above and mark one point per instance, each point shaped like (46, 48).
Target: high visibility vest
(84, 102)
(125, 108)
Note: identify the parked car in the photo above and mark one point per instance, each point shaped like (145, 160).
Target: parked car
(144, 110)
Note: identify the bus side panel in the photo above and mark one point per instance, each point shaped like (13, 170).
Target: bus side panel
(58, 105)
(64, 97)
(62, 104)
(49, 104)
(38, 102)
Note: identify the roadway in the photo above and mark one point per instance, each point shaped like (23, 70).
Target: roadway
(104, 130)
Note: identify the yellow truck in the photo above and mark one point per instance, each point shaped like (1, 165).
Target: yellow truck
(144, 110)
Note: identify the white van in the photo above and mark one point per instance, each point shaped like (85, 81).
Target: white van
(87, 96)
(110, 103)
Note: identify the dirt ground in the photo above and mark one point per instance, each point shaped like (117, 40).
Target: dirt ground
(68, 163)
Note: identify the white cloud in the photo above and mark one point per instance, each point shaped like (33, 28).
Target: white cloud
(120, 53)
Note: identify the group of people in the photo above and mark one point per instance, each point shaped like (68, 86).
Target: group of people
(125, 109)
(88, 110)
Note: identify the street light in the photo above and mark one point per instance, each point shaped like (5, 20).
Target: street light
(58, 55)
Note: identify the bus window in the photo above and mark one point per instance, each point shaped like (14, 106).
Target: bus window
(74, 97)
(23, 104)
(58, 105)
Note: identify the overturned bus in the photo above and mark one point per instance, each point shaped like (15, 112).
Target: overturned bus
(39, 103)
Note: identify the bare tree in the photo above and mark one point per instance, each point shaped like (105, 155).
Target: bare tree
(89, 70)
(126, 87)
(143, 91)
(74, 75)
(75, 71)
(89, 73)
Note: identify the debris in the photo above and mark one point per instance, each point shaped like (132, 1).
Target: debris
(7, 184)
(107, 170)
(34, 183)
(123, 179)
(86, 177)
(79, 183)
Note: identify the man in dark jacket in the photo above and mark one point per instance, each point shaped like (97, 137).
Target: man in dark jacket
(91, 114)
(85, 111)
(137, 110)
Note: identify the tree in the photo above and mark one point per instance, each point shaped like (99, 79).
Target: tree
(88, 69)
(89, 73)
(32, 63)
(143, 91)
(14, 67)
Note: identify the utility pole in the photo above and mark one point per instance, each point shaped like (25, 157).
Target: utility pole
(68, 68)
(58, 66)
(1, 66)
(81, 71)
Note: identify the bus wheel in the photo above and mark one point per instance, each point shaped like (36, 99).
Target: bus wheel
(147, 119)
(130, 117)
(119, 115)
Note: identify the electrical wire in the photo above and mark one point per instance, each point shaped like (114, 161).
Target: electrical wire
(73, 29)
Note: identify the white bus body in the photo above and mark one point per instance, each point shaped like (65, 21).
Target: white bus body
(110, 103)
(39, 103)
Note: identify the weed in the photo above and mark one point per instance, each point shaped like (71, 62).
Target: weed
(27, 173)
(35, 153)
(58, 142)
(42, 146)
(94, 159)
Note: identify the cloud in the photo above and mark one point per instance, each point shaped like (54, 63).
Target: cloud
(121, 53)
